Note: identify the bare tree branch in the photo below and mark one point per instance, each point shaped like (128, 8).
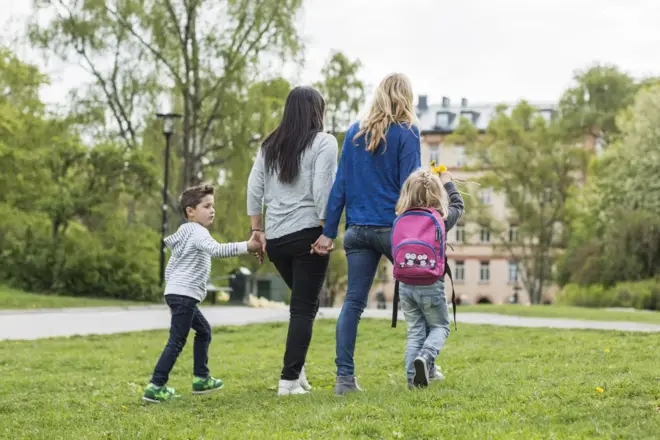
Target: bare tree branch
(146, 44)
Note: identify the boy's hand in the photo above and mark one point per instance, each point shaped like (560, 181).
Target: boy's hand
(446, 177)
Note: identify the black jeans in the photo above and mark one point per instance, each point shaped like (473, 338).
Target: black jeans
(185, 315)
(304, 273)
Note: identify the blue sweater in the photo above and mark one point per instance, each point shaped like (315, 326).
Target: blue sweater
(368, 184)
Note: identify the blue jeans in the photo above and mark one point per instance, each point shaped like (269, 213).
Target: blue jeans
(364, 245)
(427, 317)
(185, 315)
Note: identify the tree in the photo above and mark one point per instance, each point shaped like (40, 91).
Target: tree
(590, 107)
(342, 90)
(615, 233)
(522, 158)
(22, 118)
(136, 49)
(52, 182)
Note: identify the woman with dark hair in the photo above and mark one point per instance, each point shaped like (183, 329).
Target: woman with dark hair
(292, 175)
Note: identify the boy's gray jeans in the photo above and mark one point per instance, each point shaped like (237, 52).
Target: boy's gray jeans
(427, 317)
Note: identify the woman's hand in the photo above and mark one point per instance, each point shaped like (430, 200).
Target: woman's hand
(323, 246)
(257, 245)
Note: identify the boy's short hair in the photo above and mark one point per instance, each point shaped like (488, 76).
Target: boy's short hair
(191, 197)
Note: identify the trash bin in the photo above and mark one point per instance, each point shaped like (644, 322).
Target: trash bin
(238, 282)
(264, 288)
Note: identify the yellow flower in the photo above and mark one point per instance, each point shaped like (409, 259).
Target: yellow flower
(438, 169)
(600, 390)
(607, 350)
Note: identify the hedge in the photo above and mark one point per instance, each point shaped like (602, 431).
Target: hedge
(638, 294)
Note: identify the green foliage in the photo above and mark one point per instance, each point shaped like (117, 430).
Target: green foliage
(115, 262)
(591, 106)
(616, 232)
(137, 50)
(342, 90)
(640, 295)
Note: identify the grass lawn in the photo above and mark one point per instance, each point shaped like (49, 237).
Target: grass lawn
(501, 383)
(552, 311)
(19, 299)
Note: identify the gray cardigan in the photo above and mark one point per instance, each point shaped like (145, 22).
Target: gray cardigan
(298, 205)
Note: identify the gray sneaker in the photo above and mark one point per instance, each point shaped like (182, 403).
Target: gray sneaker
(421, 378)
(346, 384)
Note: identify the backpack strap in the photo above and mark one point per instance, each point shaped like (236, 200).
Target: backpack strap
(453, 293)
(395, 304)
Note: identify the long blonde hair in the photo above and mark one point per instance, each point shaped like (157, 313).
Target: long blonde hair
(393, 103)
(423, 189)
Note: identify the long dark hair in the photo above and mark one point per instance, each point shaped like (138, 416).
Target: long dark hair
(301, 121)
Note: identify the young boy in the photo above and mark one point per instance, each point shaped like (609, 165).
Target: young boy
(186, 276)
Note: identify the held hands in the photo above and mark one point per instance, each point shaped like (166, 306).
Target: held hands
(323, 246)
(257, 245)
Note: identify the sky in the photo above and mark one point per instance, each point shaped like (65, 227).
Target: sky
(483, 50)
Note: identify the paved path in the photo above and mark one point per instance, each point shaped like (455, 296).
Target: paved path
(44, 323)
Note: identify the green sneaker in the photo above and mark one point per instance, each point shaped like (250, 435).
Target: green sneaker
(156, 394)
(207, 385)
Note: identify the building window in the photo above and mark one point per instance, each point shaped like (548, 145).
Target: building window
(459, 274)
(442, 119)
(485, 235)
(484, 272)
(485, 196)
(434, 154)
(460, 233)
(513, 271)
(513, 234)
(460, 156)
(468, 115)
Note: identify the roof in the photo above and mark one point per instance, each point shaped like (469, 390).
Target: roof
(445, 119)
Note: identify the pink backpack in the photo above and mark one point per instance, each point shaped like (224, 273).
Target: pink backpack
(419, 251)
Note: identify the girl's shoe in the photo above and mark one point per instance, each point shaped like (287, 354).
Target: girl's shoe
(290, 387)
(421, 378)
(202, 385)
(156, 394)
(435, 374)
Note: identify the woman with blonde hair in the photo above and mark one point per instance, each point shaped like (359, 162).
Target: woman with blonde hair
(378, 155)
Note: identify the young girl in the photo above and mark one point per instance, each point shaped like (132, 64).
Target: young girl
(425, 306)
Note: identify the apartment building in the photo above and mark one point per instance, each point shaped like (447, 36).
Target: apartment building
(482, 272)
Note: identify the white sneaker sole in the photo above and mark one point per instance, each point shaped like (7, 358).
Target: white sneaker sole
(290, 393)
(209, 391)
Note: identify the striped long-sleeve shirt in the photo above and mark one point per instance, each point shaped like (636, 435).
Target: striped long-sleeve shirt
(189, 267)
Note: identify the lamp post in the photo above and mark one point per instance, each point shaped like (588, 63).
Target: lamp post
(168, 128)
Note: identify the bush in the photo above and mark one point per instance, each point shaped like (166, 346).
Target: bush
(116, 262)
(640, 295)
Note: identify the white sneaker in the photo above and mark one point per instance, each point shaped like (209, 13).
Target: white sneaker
(290, 387)
(303, 380)
(435, 374)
